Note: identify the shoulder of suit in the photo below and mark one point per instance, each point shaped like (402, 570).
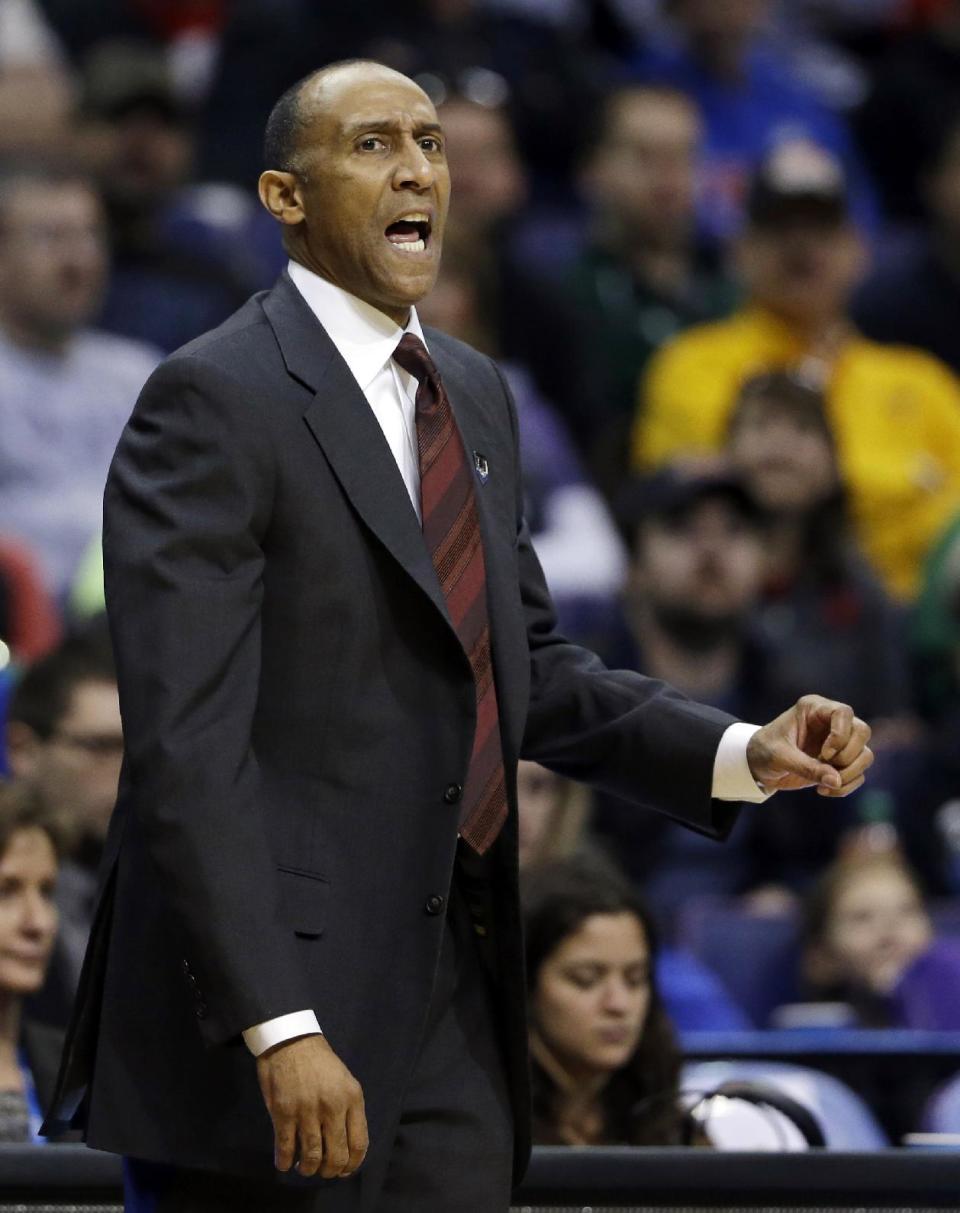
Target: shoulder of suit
(222, 343)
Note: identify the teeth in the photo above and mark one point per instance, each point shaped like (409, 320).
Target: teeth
(411, 246)
(417, 217)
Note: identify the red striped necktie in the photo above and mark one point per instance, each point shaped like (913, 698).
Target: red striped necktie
(451, 530)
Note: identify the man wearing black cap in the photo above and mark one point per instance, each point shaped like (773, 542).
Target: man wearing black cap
(696, 564)
(895, 412)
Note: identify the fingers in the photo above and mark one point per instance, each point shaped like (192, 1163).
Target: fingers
(335, 1154)
(357, 1138)
(840, 718)
(852, 776)
(788, 759)
(856, 745)
(311, 1146)
(284, 1138)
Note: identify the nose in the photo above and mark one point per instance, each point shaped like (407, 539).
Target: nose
(414, 170)
(39, 915)
(616, 996)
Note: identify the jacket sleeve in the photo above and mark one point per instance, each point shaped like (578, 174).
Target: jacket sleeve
(186, 507)
(617, 730)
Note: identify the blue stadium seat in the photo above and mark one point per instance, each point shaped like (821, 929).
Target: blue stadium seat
(755, 956)
(846, 1121)
(942, 1112)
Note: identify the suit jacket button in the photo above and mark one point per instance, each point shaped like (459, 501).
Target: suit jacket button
(434, 903)
(202, 1010)
(186, 967)
(452, 793)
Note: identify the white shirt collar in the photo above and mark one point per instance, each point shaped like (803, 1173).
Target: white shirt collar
(364, 336)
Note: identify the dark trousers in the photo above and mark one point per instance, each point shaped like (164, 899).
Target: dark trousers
(453, 1149)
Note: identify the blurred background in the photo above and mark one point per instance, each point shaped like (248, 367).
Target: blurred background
(715, 247)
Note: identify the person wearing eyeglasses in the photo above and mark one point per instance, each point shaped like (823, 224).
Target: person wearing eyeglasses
(64, 738)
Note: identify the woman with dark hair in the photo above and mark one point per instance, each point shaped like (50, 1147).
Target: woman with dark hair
(605, 1063)
(30, 848)
(824, 620)
(824, 610)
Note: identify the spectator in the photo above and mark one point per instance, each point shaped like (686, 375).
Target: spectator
(29, 1053)
(869, 942)
(913, 296)
(895, 412)
(181, 260)
(35, 86)
(553, 814)
(64, 740)
(573, 533)
(696, 562)
(750, 98)
(605, 1064)
(824, 614)
(642, 277)
(533, 323)
(65, 390)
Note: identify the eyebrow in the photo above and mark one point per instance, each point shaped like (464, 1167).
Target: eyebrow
(388, 124)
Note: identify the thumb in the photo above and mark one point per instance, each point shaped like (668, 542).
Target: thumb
(795, 762)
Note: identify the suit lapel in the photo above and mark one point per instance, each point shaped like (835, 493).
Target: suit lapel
(344, 426)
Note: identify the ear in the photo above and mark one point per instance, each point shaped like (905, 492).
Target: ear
(280, 194)
(24, 748)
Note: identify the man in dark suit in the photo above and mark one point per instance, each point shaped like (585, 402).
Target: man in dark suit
(333, 643)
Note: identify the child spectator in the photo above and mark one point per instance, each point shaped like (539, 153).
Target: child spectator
(869, 942)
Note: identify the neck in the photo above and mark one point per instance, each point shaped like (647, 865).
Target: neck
(703, 673)
(783, 548)
(399, 315)
(27, 338)
(821, 334)
(666, 267)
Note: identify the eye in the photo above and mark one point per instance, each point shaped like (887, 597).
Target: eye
(430, 143)
(370, 143)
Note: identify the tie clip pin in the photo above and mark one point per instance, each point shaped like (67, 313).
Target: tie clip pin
(483, 468)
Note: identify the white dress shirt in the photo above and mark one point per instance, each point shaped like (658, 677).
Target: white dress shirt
(366, 339)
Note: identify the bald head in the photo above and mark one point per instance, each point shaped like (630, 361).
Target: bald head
(294, 112)
(358, 178)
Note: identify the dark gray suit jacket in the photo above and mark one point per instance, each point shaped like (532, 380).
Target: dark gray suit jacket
(295, 706)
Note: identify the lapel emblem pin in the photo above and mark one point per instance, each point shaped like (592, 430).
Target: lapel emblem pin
(483, 468)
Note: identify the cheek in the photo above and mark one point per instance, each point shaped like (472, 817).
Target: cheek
(561, 1016)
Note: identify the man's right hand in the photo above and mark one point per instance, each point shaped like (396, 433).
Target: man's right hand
(315, 1103)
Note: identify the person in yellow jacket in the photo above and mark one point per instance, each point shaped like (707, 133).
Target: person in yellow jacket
(895, 411)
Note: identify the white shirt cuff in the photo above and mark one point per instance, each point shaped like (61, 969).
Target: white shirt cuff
(263, 1036)
(732, 779)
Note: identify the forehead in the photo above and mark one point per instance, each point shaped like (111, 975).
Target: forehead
(29, 200)
(356, 96)
(605, 936)
(643, 114)
(877, 887)
(31, 847)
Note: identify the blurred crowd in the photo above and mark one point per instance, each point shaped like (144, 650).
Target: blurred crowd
(715, 248)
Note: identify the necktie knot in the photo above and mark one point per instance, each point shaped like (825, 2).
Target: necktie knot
(411, 354)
